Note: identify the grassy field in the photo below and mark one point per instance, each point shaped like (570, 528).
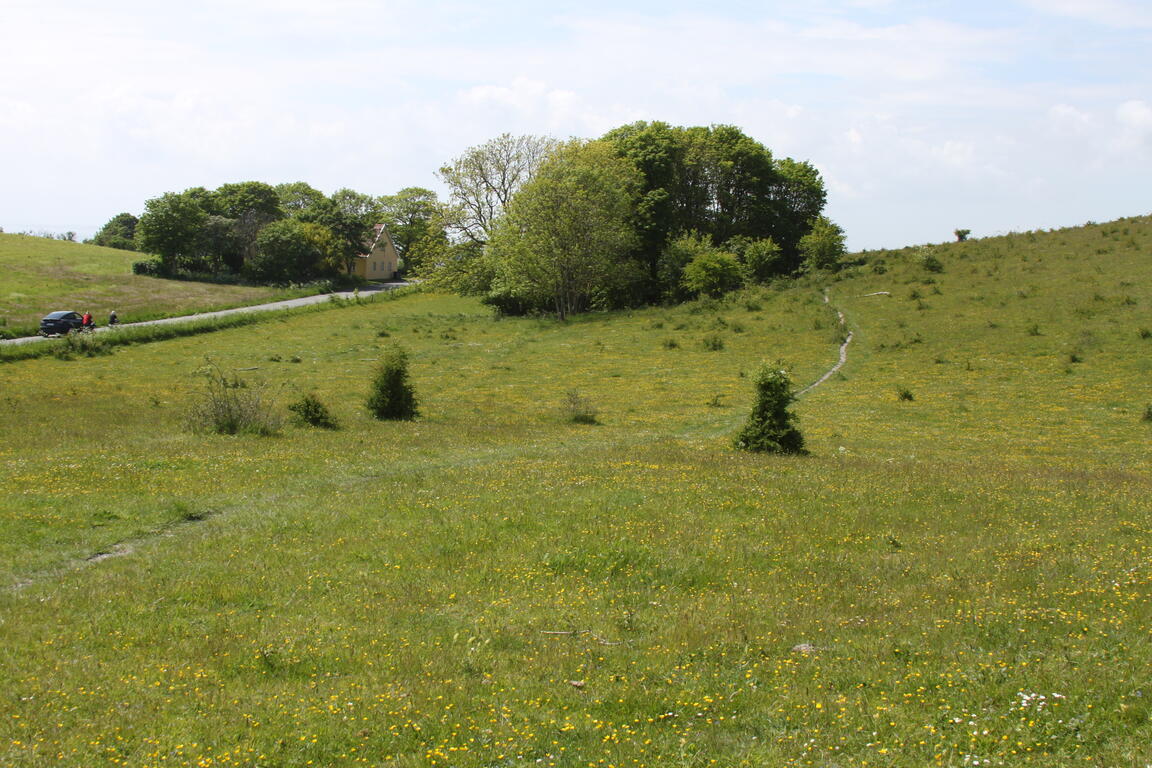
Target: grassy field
(958, 574)
(42, 275)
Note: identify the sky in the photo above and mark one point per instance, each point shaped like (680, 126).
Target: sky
(923, 116)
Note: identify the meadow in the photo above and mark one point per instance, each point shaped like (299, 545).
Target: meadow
(958, 574)
(42, 275)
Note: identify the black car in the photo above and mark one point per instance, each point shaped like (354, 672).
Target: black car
(60, 322)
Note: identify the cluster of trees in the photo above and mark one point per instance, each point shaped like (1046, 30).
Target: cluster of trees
(648, 212)
(283, 233)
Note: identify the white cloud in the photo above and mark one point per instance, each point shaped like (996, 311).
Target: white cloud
(128, 99)
(1135, 120)
(1112, 13)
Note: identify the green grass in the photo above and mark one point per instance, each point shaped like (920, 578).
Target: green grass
(42, 275)
(957, 578)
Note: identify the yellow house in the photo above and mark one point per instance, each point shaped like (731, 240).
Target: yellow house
(381, 261)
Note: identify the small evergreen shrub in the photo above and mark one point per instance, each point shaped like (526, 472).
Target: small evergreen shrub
(1146, 333)
(309, 411)
(713, 342)
(579, 409)
(771, 426)
(1148, 413)
(392, 397)
(671, 344)
(905, 395)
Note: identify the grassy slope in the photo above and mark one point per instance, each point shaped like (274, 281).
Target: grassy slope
(42, 275)
(383, 594)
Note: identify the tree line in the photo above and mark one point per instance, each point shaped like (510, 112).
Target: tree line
(273, 234)
(647, 213)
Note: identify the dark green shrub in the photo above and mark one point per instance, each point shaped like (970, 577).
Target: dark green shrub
(149, 267)
(771, 426)
(392, 396)
(1148, 413)
(904, 395)
(310, 412)
(1146, 333)
(713, 342)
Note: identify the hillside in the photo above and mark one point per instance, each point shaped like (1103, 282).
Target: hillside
(42, 275)
(958, 574)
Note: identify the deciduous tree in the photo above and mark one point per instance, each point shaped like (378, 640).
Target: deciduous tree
(119, 232)
(482, 181)
(568, 229)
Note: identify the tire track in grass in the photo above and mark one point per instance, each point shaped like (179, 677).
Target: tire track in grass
(122, 548)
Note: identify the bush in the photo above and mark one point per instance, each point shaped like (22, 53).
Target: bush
(770, 427)
(392, 396)
(310, 412)
(713, 342)
(713, 273)
(150, 267)
(81, 344)
(228, 406)
(905, 395)
(579, 409)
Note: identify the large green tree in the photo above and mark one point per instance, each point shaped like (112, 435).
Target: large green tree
(294, 251)
(119, 232)
(719, 182)
(350, 216)
(171, 227)
(297, 197)
(412, 217)
(567, 231)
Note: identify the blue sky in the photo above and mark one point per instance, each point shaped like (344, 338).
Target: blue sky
(922, 116)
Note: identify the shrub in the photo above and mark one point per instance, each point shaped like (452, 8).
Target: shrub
(712, 273)
(228, 406)
(392, 396)
(904, 395)
(713, 342)
(310, 412)
(1146, 333)
(83, 344)
(770, 427)
(1148, 413)
(579, 409)
(150, 267)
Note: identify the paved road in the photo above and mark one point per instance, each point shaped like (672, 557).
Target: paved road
(289, 304)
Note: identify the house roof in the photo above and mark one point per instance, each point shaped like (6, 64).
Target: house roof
(380, 231)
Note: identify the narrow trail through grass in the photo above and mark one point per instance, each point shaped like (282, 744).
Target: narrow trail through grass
(843, 351)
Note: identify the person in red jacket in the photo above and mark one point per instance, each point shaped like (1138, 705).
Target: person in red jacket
(86, 321)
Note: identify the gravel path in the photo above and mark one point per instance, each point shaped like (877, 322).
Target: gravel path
(843, 352)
